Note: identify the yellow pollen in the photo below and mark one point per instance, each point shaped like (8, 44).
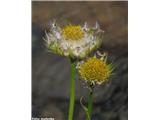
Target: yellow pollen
(95, 70)
(72, 32)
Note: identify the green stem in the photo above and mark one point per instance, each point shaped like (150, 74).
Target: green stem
(72, 90)
(90, 104)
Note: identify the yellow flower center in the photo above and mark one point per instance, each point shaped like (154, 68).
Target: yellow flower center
(72, 32)
(94, 70)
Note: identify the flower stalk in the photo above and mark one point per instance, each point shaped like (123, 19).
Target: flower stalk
(90, 104)
(72, 90)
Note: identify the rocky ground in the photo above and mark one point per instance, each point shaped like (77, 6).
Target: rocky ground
(51, 73)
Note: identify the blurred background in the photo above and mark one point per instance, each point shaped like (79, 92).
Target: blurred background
(51, 73)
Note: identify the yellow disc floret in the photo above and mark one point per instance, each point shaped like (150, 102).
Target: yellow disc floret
(94, 71)
(72, 32)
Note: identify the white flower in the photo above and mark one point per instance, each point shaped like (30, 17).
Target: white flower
(73, 41)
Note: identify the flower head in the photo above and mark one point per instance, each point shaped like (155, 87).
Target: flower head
(73, 41)
(95, 70)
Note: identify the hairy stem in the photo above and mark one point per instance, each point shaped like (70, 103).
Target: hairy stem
(72, 90)
(90, 105)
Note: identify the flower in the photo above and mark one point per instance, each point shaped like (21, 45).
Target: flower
(73, 41)
(95, 70)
